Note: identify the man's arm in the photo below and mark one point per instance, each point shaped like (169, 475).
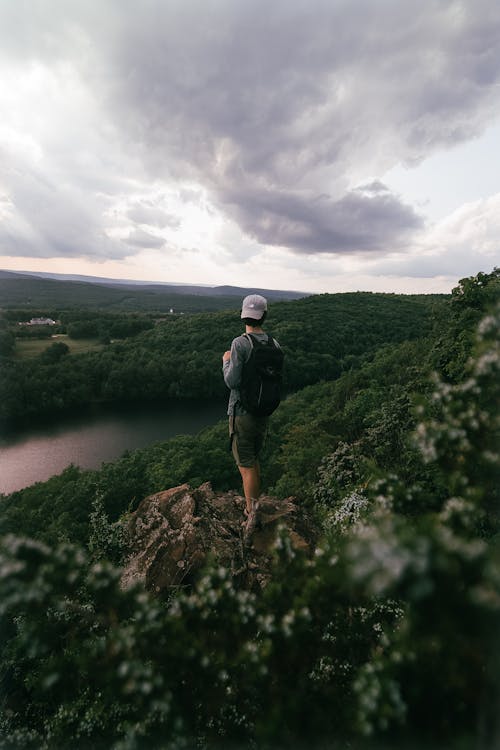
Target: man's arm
(232, 365)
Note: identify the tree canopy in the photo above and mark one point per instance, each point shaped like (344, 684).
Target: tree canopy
(387, 637)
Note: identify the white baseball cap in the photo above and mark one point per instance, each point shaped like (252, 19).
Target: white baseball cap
(254, 306)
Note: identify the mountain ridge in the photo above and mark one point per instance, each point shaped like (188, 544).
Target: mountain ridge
(151, 286)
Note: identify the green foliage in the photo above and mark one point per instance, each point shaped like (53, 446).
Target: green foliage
(369, 411)
(54, 352)
(463, 435)
(106, 540)
(389, 632)
(35, 332)
(86, 324)
(113, 668)
(456, 325)
(61, 508)
(56, 511)
(477, 291)
(181, 356)
(7, 343)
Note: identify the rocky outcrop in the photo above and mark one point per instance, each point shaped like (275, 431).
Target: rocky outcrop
(173, 534)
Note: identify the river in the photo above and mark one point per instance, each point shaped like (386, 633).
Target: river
(87, 441)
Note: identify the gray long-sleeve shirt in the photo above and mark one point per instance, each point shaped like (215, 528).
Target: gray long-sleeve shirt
(232, 369)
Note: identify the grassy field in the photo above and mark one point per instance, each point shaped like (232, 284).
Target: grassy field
(28, 348)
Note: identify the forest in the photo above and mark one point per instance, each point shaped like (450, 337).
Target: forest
(387, 637)
(179, 357)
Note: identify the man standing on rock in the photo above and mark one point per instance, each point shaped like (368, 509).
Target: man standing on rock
(247, 430)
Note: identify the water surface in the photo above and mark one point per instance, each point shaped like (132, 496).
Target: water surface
(36, 454)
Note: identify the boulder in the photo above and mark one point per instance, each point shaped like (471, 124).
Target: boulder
(173, 534)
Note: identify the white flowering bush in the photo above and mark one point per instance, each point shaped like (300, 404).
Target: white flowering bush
(85, 660)
(445, 566)
(107, 540)
(389, 632)
(463, 435)
(346, 513)
(339, 472)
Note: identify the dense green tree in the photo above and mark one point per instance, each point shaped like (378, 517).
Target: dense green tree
(455, 324)
(54, 352)
(388, 634)
(180, 357)
(7, 342)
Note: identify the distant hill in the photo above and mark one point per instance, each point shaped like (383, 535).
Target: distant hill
(180, 357)
(42, 290)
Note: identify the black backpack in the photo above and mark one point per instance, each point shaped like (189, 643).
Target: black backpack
(260, 389)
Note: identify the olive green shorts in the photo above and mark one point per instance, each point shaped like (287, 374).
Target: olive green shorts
(247, 435)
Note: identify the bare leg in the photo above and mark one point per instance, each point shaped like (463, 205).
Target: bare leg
(251, 487)
(251, 483)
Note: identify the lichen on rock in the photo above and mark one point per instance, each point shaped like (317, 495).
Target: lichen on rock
(173, 534)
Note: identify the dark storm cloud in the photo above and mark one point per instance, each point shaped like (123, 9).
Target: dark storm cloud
(267, 105)
(356, 222)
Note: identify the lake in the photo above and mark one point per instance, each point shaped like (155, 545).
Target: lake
(36, 454)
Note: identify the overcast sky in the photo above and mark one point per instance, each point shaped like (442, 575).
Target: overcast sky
(318, 145)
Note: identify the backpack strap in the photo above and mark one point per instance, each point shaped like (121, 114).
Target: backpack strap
(249, 338)
(270, 341)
